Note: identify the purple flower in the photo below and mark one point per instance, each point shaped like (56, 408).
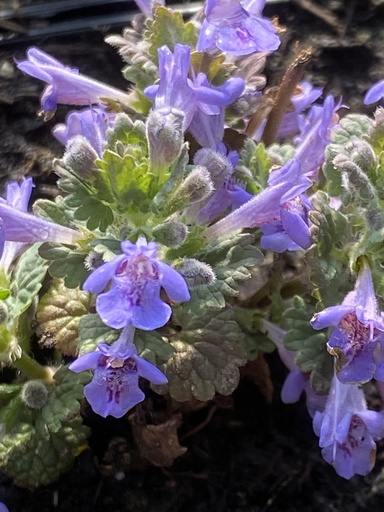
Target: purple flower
(237, 27)
(374, 93)
(91, 123)
(65, 84)
(315, 136)
(304, 98)
(16, 225)
(268, 207)
(347, 430)
(114, 389)
(173, 91)
(207, 125)
(192, 97)
(135, 279)
(3, 508)
(357, 340)
(291, 232)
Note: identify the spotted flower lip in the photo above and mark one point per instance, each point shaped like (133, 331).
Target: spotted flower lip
(114, 389)
(357, 340)
(347, 430)
(135, 279)
(237, 27)
(65, 85)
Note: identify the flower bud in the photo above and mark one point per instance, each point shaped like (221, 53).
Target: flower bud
(218, 165)
(165, 137)
(171, 234)
(35, 394)
(196, 273)
(197, 185)
(363, 155)
(357, 178)
(80, 156)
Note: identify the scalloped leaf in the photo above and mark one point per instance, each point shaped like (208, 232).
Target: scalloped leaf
(152, 346)
(54, 211)
(168, 28)
(27, 280)
(43, 444)
(312, 355)
(59, 313)
(208, 352)
(93, 331)
(65, 263)
(256, 159)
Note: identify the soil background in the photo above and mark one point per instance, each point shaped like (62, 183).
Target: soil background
(250, 453)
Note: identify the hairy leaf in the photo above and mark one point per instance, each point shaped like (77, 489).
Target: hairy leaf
(65, 263)
(310, 345)
(59, 313)
(93, 331)
(208, 353)
(168, 28)
(43, 444)
(27, 280)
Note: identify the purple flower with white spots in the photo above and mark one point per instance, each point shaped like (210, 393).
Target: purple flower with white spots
(347, 430)
(91, 123)
(374, 93)
(277, 201)
(114, 389)
(237, 28)
(134, 280)
(65, 84)
(357, 339)
(16, 225)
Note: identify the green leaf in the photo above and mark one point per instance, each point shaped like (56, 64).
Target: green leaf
(129, 180)
(59, 313)
(27, 279)
(312, 355)
(168, 28)
(254, 340)
(54, 211)
(256, 159)
(232, 261)
(208, 352)
(93, 331)
(65, 263)
(217, 69)
(152, 346)
(97, 214)
(43, 444)
(127, 132)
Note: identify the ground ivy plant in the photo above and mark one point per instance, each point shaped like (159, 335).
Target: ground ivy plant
(202, 219)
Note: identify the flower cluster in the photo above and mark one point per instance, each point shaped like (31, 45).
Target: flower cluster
(171, 199)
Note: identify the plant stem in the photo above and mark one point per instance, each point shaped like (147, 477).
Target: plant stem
(286, 90)
(32, 368)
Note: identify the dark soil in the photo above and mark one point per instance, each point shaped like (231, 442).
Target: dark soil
(252, 455)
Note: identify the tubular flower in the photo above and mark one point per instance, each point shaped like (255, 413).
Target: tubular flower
(269, 207)
(237, 27)
(114, 389)
(135, 279)
(176, 92)
(91, 123)
(19, 226)
(357, 339)
(65, 84)
(347, 430)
